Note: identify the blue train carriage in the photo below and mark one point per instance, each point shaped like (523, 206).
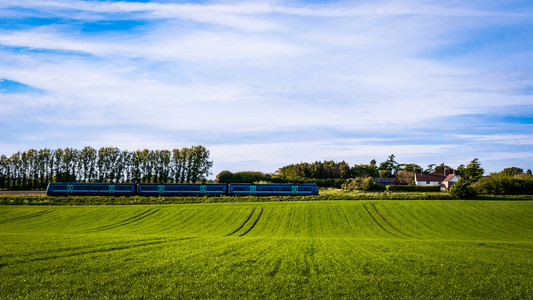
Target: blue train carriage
(96, 189)
(181, 189)
(272, 189)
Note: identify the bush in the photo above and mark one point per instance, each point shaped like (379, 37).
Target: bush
(353, 184)
(370, 185)
(462, 189)
(505, 185)
(413, 188)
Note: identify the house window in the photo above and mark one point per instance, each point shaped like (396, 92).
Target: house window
(427, 182)
(439, 182)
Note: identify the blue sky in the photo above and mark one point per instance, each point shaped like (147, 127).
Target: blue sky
(263, 84)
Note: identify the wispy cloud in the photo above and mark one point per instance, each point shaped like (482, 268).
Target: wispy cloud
(292, 74)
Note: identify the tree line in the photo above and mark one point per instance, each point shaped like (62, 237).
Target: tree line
(389, 168)
(34, 169)
(511, 180)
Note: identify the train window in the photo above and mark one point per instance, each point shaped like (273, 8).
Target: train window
(123, 187)
(60, 187)
(241, 188)
(149, 188)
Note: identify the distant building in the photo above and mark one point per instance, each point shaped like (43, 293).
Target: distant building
(429, 179)
(449, 181)
(385, 181)
(445, 181)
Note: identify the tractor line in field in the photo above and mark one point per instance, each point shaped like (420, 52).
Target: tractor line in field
(375, 219)
(388, 221)
(127, 221)
(83, 247)
(240, 227)
(253, 225)
(92, 251)
(25, 217)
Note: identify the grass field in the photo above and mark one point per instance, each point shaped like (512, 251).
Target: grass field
(322, 249)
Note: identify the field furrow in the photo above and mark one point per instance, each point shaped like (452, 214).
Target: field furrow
(243, 224)
(254, 223)
(336, 249)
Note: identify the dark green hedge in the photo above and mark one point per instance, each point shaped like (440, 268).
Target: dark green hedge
(413, 188)
(505, 185)
(100, 200)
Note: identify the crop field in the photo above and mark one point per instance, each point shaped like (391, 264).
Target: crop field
(320, 249)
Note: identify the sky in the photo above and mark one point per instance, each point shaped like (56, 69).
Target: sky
(263, 84)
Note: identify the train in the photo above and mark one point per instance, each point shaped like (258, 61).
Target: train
(179, 189)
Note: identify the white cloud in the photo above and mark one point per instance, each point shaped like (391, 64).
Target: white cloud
(508, 139)
(257, 67)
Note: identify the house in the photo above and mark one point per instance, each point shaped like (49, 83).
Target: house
(450, 180)
(429, 179)
(445, 181)
(385, 181)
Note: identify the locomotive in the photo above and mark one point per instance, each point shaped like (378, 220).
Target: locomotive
(179, 189)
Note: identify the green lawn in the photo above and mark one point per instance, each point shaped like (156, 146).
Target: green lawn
(322, 249)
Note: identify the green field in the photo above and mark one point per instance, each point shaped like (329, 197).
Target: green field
(322, 249)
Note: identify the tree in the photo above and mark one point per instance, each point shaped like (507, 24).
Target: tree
(430, 169)
(127, 161)
(385, 174)
(36, 168)
(440, 169)
(473, 171)
(163, 158)
(136, 166)
(224, 177)
(460, 171)
(390, 165)
(351, 184)
(462, 189)
(3, 171)
(404, 176)
(344, 170)
(505, 185)
(70, 160)
(200, 165)
(364, 171)
(370, 185)
(45, 166)
(316, 170)
(146, 165)
(512, 171)
(412, 168)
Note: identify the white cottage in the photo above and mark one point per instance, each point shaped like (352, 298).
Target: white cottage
(429, 179)
(445, 181)
(450, 180)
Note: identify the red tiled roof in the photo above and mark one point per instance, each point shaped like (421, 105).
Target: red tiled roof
(429, 177)
(449, 177)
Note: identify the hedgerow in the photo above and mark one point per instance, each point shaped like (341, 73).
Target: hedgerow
(505, 185)
(413, 188)
(102, 200)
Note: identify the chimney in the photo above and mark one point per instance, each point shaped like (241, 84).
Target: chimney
(446, 171)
